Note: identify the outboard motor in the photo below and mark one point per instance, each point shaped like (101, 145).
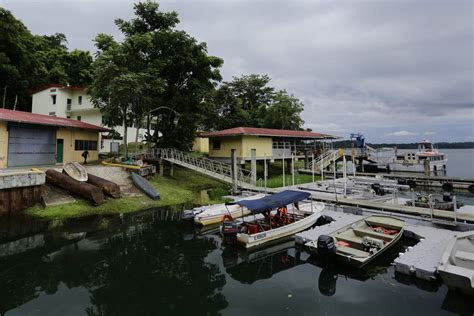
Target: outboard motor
(326, 245)
(188, 215)
(229, 230)
(447, 197)
(378, 189)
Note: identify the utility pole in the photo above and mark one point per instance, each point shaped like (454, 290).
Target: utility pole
(283, 164)
(4, 95)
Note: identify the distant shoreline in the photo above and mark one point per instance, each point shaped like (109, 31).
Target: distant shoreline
(440, 145)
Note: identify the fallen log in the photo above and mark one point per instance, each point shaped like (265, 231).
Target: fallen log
(82, 189)
(108, 187)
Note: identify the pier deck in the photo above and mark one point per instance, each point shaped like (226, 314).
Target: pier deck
(420, 260)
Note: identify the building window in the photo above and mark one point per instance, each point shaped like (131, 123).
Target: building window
(68, 117)
(52, 113)
(216, 144)
(79, 117)
(85, 145)
(52, 90)
(69, 104)
(53, 97)
(79, 100)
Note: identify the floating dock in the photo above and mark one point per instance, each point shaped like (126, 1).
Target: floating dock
(420, 260)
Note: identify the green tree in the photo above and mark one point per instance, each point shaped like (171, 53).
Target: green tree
(180, 72)
(284, 112)
(28, 61)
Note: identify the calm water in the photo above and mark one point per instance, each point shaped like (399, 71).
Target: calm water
(146, 265)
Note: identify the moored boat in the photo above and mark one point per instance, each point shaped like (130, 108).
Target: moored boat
(271, 219)
(446, 203)
(214, 214)
(427, 159)
(145, 186)
(362, 241)
(76, 171)
(456, 267)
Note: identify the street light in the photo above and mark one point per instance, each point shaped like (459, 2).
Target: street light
(175, 121)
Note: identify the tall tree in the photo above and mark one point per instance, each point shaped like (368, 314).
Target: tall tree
(284, 112)
(182, 71)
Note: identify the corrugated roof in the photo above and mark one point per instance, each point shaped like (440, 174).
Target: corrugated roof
(56, 85)
(32, 118)
(238, 131)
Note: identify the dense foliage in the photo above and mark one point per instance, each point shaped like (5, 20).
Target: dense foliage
(155, 66)
(28, 61)
(250, 101)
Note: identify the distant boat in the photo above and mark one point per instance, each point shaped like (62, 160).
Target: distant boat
(76, 171)
(360, 242)
(271, 218)
(145, 186)
(456, 267)
(427, 159)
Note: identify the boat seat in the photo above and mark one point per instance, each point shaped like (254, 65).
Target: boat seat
(386, 225)
(371, 233)
(353, 252)
(350, 239)
(464, 255)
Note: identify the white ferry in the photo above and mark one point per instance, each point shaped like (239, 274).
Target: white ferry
(427, 159)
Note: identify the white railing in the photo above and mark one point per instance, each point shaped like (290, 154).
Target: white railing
(324, 160)
(218, 169)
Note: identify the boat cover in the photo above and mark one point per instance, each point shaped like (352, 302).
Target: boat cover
(273, 201)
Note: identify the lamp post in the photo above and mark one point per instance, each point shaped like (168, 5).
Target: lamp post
(175, 121)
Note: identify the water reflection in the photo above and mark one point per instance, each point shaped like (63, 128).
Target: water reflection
(144, 266)
(248, 267)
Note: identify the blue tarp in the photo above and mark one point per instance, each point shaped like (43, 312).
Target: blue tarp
(273, 201)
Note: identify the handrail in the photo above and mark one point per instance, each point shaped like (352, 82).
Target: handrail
(324, 159)
(218, 168)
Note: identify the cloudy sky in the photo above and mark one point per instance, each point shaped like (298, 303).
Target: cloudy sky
(396, 71)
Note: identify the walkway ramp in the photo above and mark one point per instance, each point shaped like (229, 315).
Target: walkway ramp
(216, 169)
(325, 160)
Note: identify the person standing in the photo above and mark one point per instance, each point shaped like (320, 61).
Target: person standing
(84, 155)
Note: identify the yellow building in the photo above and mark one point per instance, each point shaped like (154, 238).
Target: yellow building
(28, 139)
(201, 144)
(269, 143)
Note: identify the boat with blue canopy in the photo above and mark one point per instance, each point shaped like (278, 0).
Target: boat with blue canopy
(272, 217)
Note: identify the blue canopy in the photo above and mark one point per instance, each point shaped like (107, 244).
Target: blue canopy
(273, 201)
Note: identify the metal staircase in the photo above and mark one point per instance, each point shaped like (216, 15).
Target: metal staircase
(216, 169)
(325, 159)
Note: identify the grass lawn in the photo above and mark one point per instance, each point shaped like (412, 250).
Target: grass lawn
(185, 187)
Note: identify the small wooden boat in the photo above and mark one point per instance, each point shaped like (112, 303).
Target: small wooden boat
(456, 267)
(362, 241)
(145, 186)
(76, 171)
(271, 218)
(214, 214)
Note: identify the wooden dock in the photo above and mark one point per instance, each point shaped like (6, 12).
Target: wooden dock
(421, 260)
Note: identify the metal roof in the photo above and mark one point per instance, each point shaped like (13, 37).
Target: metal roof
(239, 131)
(56, 85)
(40, 119)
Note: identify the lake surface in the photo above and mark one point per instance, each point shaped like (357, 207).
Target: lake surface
(151, 264)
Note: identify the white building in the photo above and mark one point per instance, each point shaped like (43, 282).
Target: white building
(74, 102)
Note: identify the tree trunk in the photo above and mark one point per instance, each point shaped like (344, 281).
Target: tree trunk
(107, 187)
(82, 189)
(125, 134)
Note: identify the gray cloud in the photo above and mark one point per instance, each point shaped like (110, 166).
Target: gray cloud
(377, 67)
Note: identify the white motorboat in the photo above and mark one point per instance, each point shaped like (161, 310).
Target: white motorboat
(272, 218)
(427, 159)
(456, 267)
(214, 214)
